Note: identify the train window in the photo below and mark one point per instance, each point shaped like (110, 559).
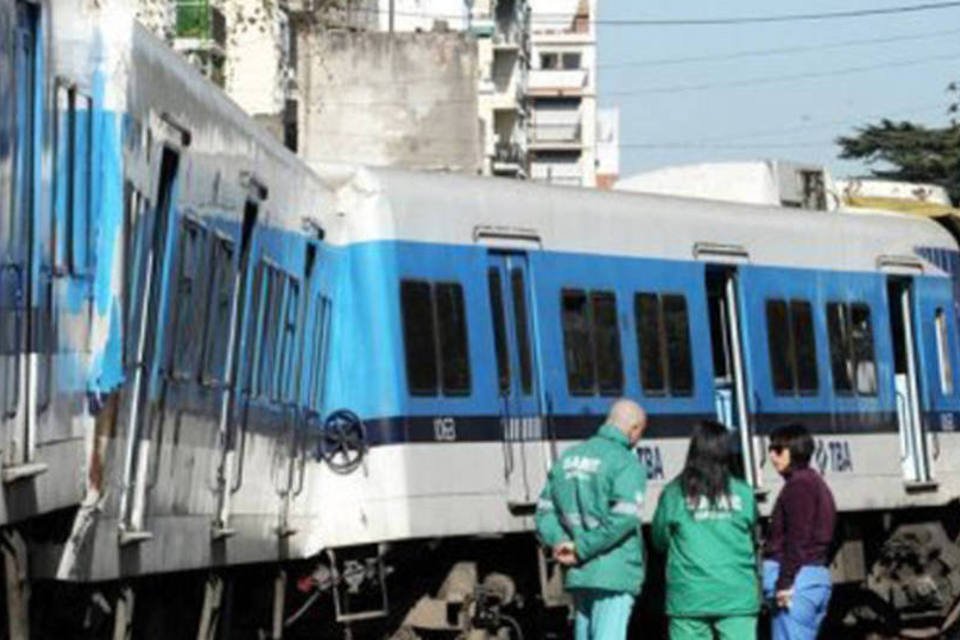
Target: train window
(321, 338)
(73, 178)
(778, 342)
(578, 350)
(839, 347)
(646, 309)
(943, 353)
(273, 305)
(452, 332)
(792, 347)
(62, 178)
(676, 325)
(254, 331)
(663, 337)
(78, 227)
(804, 346)
(851, 348)
(520, 319)
(133, 238)
(606, 341)
(861, 344)
(419, 336)
(285, 373)
(188, 305)
(218, 313)
(499, 329)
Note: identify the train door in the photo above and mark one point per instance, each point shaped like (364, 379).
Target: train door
(914, 453)
(294, 446)
(230, 469)
(17, 269)
(152, 269)
(729, 364)
(524, 455)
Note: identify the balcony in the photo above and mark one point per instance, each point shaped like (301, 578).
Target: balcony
(200, 26)
(557, 82)
(555, 135)
(509, 159)
(566, 174)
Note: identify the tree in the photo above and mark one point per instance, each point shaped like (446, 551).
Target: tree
(909, 152)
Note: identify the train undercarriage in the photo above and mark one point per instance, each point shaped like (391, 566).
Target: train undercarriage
(896, 575)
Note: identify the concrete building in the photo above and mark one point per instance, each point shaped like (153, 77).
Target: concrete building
(608, 147)
(252, 48)
(766, 182)
(501, 31)
(563, 92)
(401, 99)
(242, 45)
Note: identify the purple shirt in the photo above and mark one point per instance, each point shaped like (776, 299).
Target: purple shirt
(801, 529)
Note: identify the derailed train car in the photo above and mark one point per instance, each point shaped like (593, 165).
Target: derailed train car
(226, 372)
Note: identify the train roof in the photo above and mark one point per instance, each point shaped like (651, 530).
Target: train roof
(384, 203)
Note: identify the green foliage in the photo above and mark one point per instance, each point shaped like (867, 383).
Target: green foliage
(908, 151)
(193, 19)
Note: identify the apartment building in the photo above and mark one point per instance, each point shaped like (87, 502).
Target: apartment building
(563, 92)
(245, 46)
(501, 29)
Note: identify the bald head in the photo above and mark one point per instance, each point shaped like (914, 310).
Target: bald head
(629, 417)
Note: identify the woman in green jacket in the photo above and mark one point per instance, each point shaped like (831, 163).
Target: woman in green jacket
(705, 524)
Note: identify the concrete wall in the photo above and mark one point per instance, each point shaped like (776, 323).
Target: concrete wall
(403, 99)
(256, 55)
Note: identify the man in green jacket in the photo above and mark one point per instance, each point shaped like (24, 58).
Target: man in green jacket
(590, 514)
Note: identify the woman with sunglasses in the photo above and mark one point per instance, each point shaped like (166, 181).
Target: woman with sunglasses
(704, 523)
(795, 573)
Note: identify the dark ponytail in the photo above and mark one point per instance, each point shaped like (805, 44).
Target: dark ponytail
(707, 471)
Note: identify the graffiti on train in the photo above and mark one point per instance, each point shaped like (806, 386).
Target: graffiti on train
(834, 456)
(652, 459)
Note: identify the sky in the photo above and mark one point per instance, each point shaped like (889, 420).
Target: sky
(729, 104)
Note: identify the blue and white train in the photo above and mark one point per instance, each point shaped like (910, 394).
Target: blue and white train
(223, 371)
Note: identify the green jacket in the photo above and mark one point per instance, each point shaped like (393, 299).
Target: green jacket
(711, 558)
(594, 498)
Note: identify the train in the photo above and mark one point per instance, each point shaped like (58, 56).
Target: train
(244, 395)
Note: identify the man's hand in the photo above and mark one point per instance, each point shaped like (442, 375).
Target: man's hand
(784, 598)
(565, 553)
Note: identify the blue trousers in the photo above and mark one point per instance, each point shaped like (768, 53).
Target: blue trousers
(601, 615)
(808, 608)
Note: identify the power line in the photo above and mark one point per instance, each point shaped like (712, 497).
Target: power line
(757, 53)
(795, 17)
(567, 19)
(669, 89)
(729, 146)
(441, 81)
(766, 80)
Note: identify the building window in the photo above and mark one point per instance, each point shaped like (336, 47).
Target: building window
(591, 338)
(435, 337)
(571, 61)
(549, 61)
(663, 341)
(852, 360)
(792, 347)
